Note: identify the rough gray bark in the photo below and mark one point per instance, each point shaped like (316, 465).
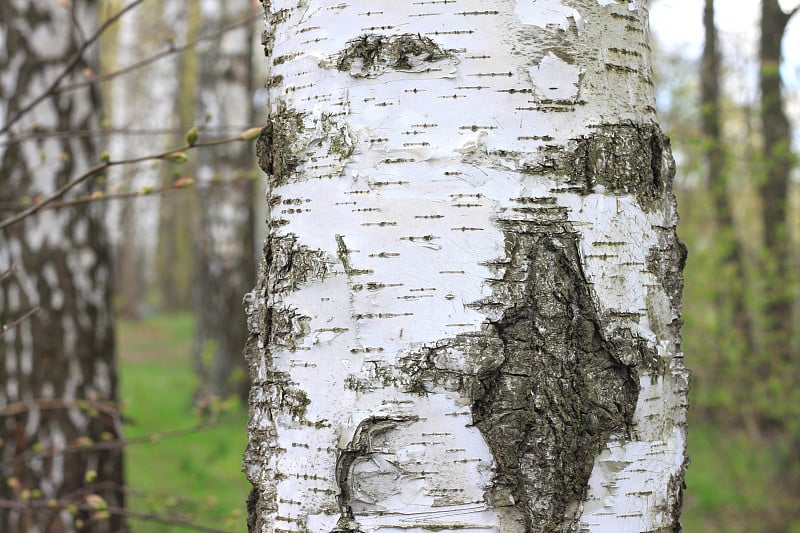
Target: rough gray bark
(58, 381)
(224, 255)
(468, 310)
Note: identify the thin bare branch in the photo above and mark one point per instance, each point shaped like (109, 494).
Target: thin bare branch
(8, 273)
(41, 204)
(46, 505)
(76, 57)
(152, 59)
(114, 444)
(8, 327)
(177, 186)
(49, 404)
(151, 517)
(222, 129)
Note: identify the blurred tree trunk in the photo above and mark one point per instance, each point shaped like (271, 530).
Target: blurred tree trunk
(468, 310)
(731, 301)
(224, 254)
(129, 221)
(779, 361)
(58, 381)
(176, 213)
(143, 113)
(778, 162)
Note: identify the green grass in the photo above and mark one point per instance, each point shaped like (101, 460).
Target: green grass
(196, 476)
(730, 484)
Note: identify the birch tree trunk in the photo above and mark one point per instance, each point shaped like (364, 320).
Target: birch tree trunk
(143, 108)
(224, 258)
(176, 211)
(58, 381)
(780, 356)
(468, 311)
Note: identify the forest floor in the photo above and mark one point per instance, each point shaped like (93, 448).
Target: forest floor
(180, 472)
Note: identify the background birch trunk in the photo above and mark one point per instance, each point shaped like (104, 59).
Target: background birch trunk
(143, 110)
(224, 255)
(177, 211)
(469, 304)
(58, 378)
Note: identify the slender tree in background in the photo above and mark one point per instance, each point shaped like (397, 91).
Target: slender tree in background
(731, 298)
(224, 255)
(176, 211)
(468, 309)
(58, 381)
(780, 359)
(142, 110)
(778, 162)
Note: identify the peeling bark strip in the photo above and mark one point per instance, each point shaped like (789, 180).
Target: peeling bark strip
(361, 448)
(469, 304)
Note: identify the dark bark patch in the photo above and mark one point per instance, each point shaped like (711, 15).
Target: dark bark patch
(548, 384)
(278, 148)
(289, 264)
(252, 509)
(371, 54)
(666, 261)
(624, 159)
(562, 388)
(291, 138)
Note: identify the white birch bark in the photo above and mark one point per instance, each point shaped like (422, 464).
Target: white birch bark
(143, 111)
(469, 306)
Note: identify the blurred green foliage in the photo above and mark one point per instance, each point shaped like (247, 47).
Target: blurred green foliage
(744, 419)
(196, 476)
